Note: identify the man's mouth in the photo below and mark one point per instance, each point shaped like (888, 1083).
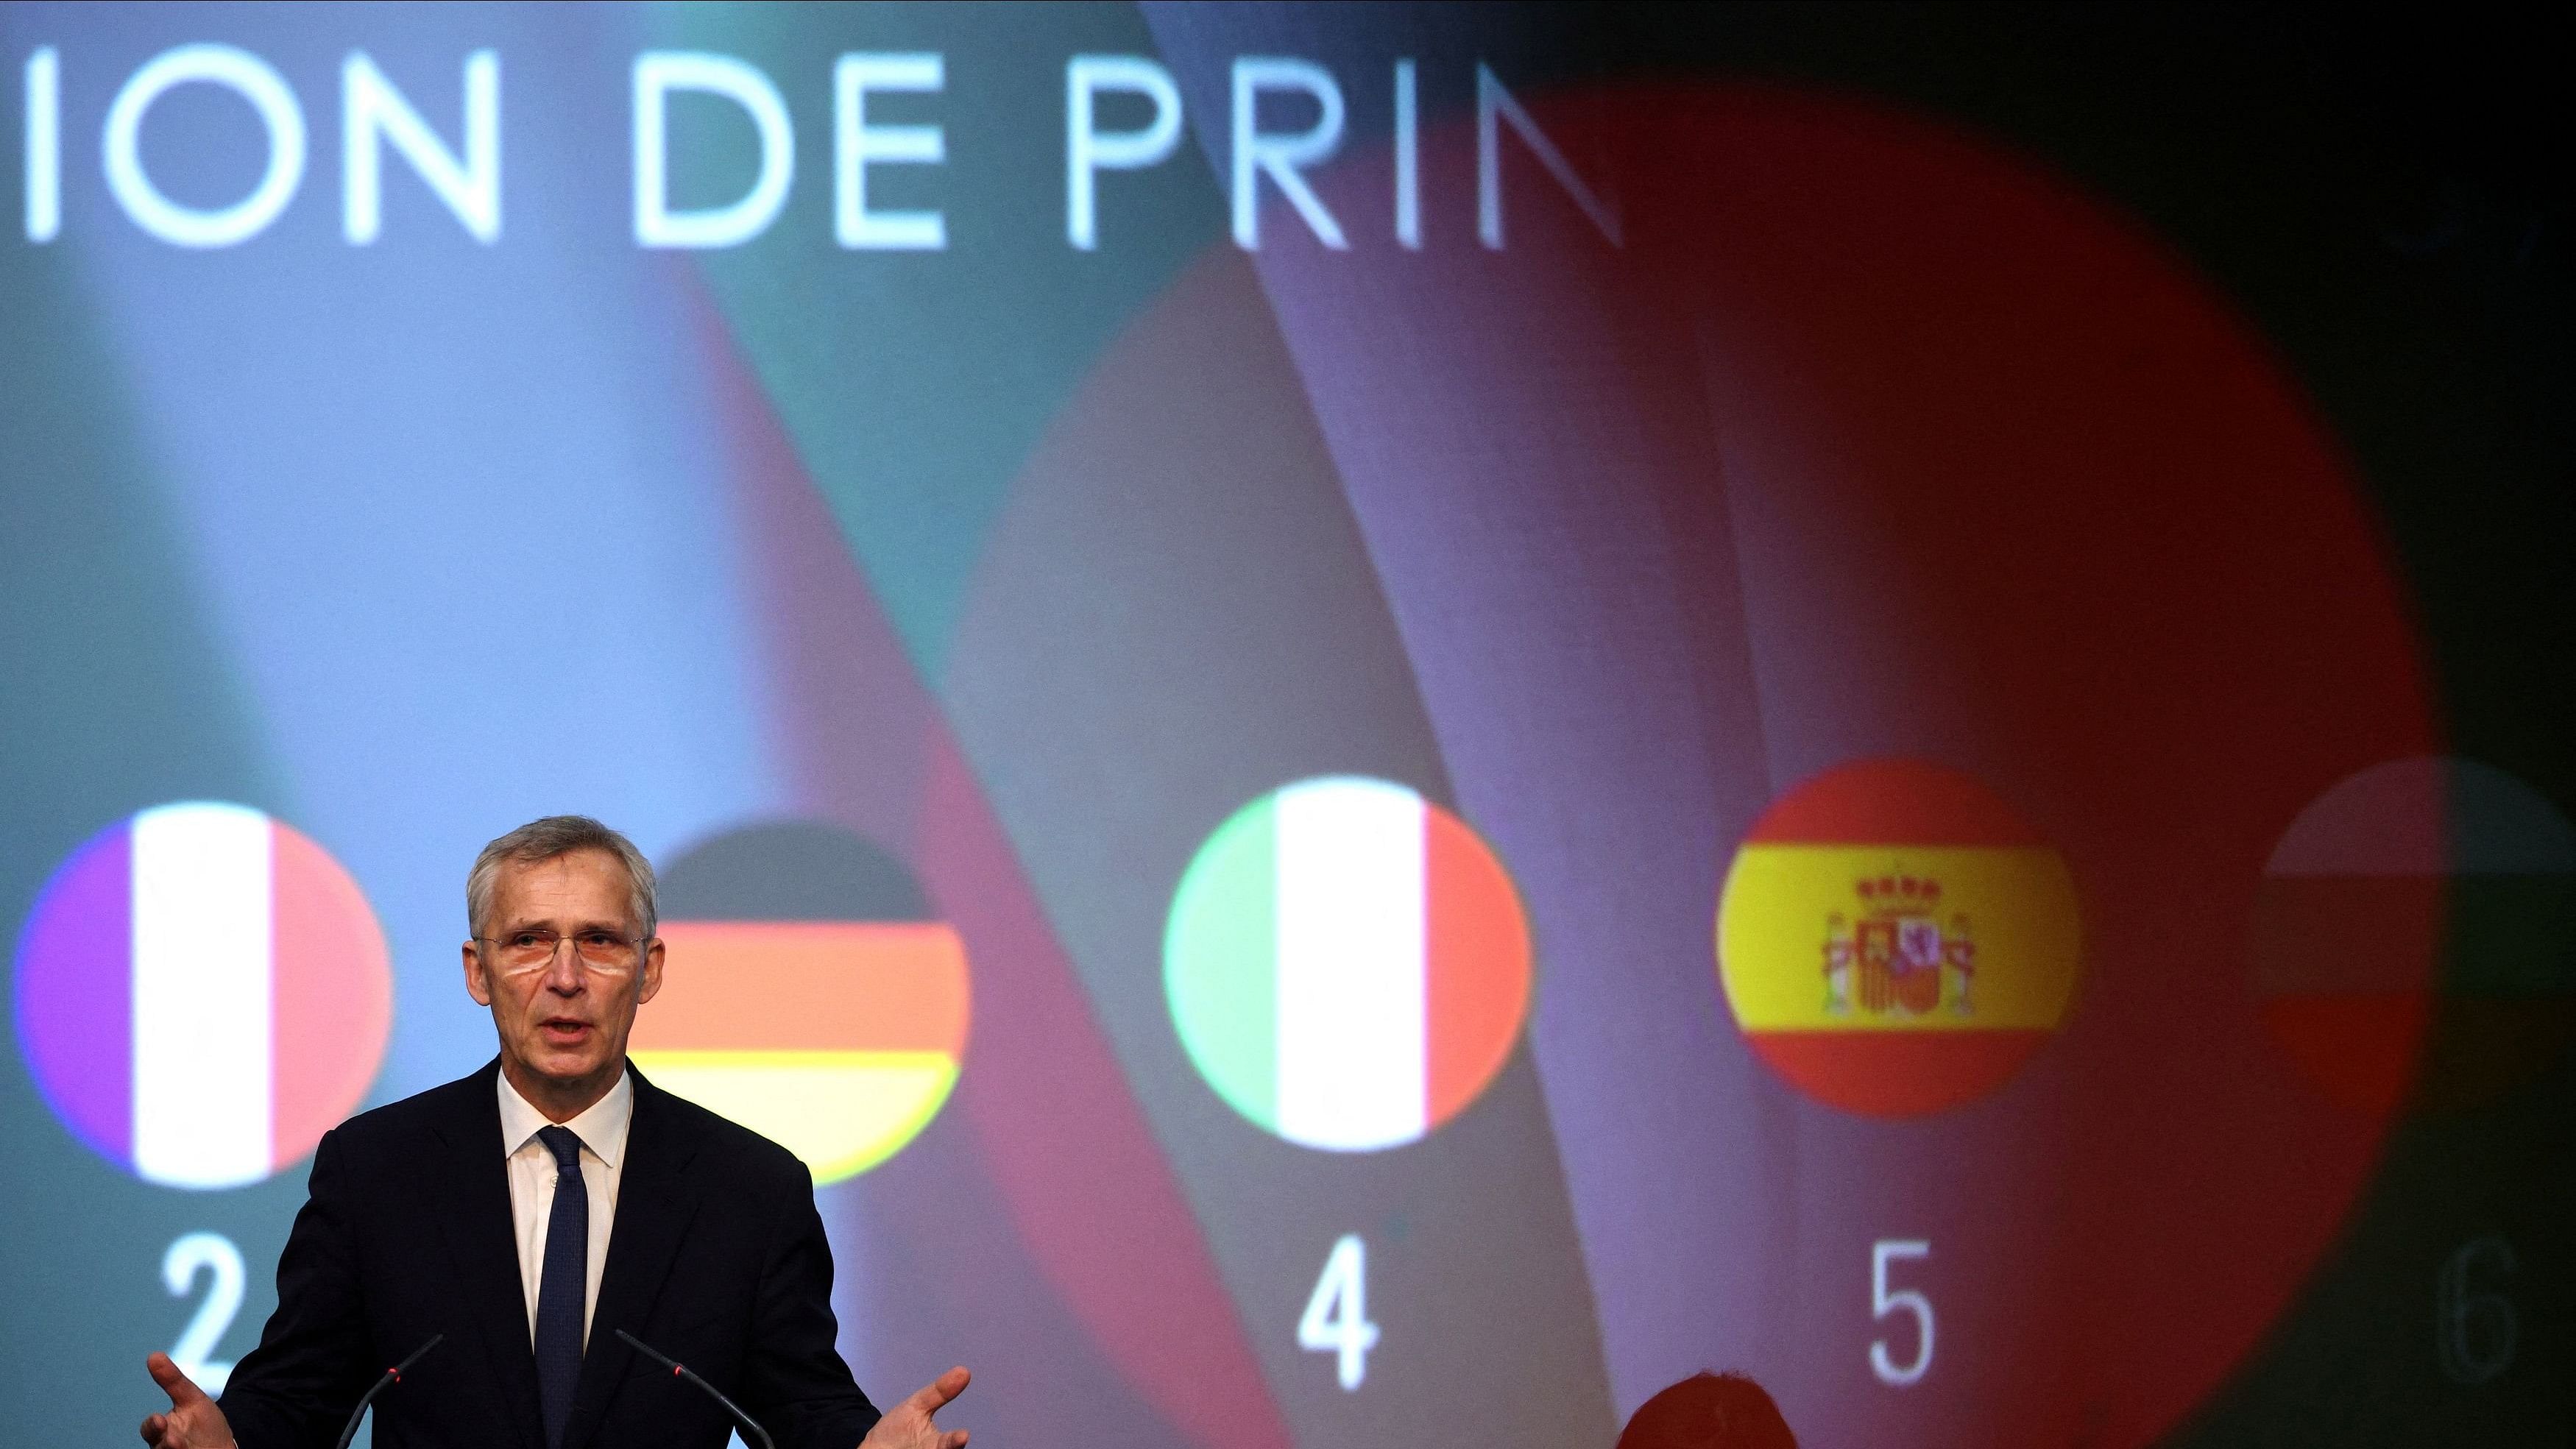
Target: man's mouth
(563, 1030)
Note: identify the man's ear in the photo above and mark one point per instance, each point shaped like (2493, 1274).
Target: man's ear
(652, 971)
(477, 985)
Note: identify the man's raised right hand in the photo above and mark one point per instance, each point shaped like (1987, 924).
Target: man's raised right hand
(193, 1421)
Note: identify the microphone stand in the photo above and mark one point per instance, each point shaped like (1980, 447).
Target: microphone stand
(674, 1365)
(391, 1376)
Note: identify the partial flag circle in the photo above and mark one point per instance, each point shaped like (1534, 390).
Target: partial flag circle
(201, 993)
(1894, 940)
(2411, 937)
(1347, 964)
(809, 993)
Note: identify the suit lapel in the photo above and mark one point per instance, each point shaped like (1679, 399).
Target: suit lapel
(480, 1240)
(654, 1208)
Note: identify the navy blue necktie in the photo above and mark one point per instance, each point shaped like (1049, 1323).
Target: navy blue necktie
(561, 1290)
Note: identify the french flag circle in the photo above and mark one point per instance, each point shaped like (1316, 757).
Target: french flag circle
(201, 993)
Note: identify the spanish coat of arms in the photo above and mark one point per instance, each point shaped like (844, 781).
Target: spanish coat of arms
(1895, 942)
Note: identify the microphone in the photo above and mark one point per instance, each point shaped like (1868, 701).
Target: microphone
(391, 1376)
(674, 1365)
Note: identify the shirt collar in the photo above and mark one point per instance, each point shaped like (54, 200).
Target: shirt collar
(601, 1126)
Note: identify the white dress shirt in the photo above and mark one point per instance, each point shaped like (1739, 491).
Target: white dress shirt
(602, 1130)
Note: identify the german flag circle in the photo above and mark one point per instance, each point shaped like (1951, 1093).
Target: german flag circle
(1894, 940)
(811, 994)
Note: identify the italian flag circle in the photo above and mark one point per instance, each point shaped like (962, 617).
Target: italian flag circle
(1347, 964)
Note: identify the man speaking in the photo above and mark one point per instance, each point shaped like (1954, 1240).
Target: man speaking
(527, 1215)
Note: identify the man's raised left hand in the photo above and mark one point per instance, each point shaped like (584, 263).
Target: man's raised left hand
(909, 1426)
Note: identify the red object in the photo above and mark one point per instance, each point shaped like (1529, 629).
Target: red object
(1895, 1073)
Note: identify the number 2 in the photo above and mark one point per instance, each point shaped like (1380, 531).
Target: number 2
(1903, 1300)
(205, 1331)
(1336, 1317)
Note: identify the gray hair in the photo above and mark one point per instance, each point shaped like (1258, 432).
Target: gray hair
(546, 839)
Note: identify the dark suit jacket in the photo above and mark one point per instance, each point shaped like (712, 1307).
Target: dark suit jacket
(717, 1258)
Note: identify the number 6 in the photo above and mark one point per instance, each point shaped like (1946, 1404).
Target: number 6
(1903, 1300)
(2475, 1332)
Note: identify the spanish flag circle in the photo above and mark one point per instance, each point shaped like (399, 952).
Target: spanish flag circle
(1894, 940)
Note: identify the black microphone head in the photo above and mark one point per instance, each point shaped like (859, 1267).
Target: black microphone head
(390, 1376)
(710, 1390)
(418, 1354)
(646, 1349)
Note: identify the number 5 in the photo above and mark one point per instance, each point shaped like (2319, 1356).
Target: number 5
(1903, 1300)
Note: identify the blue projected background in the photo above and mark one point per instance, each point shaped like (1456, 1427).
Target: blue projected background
(1379, 725)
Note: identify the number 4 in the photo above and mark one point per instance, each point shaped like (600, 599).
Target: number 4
(1336, 1318)
(1903, 1300)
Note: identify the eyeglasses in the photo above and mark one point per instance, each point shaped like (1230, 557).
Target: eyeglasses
(605, 952)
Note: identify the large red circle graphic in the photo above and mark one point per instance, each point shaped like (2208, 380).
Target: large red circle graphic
(1818, 433)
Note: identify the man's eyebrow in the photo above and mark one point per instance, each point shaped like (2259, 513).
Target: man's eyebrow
(616, 924)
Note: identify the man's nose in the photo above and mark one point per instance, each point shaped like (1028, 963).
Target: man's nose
(564, 975)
